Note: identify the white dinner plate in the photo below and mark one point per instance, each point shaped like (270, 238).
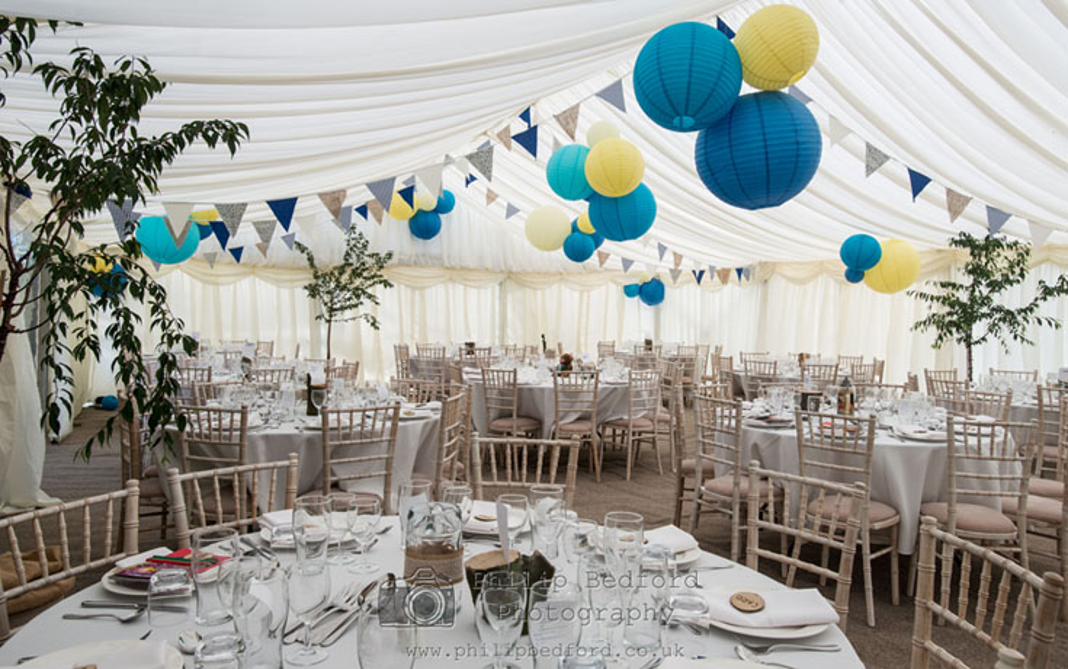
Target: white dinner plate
(756, 422)
(126, 591)
(416, 414)
(99, 649)
(771, 632)
(287, 544)
(928, 436)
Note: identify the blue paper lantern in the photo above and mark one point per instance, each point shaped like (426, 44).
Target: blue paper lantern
(854, 275)
(861, 252)
(425, 224)
(156, 241)
(578, 247)
(631, 289)
(762, 153)
(446, 202)
(652, 292)
(687, 76)
(623, 218)
(566, 172)
(109, 403)
(597, 238)
(111, 285)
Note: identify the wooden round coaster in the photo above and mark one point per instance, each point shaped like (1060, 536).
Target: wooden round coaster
(485, 518)
(747, 602)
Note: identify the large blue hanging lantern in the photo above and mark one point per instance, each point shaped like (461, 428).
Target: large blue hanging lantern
(566, 172)
(622, 218)
(446, 202)
(425, 224)
(762, 153)
(156, 241)
(578, 247)
(652, 292)
(687, 76)
(861, 252)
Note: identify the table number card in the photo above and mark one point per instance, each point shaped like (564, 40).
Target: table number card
(316, 375)
(248, 350)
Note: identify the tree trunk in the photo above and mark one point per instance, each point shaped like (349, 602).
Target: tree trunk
(329, 331)
(968, 354)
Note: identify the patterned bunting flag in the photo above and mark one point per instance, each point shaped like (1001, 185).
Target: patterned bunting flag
(333, 200)
(995, 219)
(236, 252)
(955, 203)
(410, 181)
(482, 160)
(263, 246)
(381, 189)
(177, 220)
(568, 120)
(613, 95)
(231, 214)
(469, 179)
(698, 275)
(123, 217)
(1039, 233)
(431, 178)
(265, 230)
(289, 240)
(491, 196)
(747, 272)
(505, 137)
(917, 182)
(283, 210)
(210, 257)
(524, 116)
(376, 209)
(661, 249)
(222, 233)
(798, 95)
(362, 211)
(722, 26)
(678, 258)
(873, 159)
(675, 274)
(602, 257)
(626, 262)
(724, 274)
(528, 139)
(344, 221)
(510, 210)
(408, 195)
(836, 130)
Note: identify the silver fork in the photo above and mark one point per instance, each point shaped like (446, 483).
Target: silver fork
(343, 602)
(764, 648)
(122, 618)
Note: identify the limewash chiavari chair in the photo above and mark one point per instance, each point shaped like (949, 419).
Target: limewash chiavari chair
(213, 437)
(451, 440)
(638, 426)
(606, 349)
(998, 624)
(501, 399)
(419, 391)
(348, 371)
(862, 373)
(840, 448)
(264, 349)
(758, 372)
(655, 350)
(672, 395)
(702, 361)
(237, 489)
(744, 356)
(819, 374)
(1015, 375)
(401, 356)
(363, 443)
(430, 367)
(271, 376)
(643, 362)
(430, 350)
(540, 458)
(206, 392)
(835, 533)
(575, 395)
(109, 524)
(477, 357)
(982, 403)
(1051, 456)
(947, 393)
(687, 365)
(939, 375)
(190, 375)
(848, 361)
(133, 435)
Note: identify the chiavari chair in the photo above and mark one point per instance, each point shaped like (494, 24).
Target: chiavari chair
(430, 367)
(214, 438)
(400, 359)
(358, 450)
(947, 393)
(430, 350)
(672, 393)
(419, 391)
(1051, 456)
(349, 371)
(133, 436)
(638, 426)
(819, 375)
(501, 399)
(575, 395)
(848, 361)
(743, 356)
(451, 440)
(758, 372)
(606, 349)
(264, 349)
(654, 350)
(271, 376)
(938, 375)
(862, 373)
(1015, 375)
(540, 458)
(983, 403)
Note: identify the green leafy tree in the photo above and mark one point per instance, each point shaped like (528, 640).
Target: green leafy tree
(91, 153)
(342, 290)
(970, 311)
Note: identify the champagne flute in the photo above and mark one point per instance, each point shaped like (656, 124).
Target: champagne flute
(518, 515)
(500, 612)
(364, 516)
(338, 514)
(309, 591)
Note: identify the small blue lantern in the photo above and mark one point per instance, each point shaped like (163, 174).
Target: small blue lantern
(425, 224)
(156, 241)
(861, 252)
(652, 292)
(578, 247)
(566, 172)
(631, 289)
(112, 284)
(623, 218)
(854, 275)
(446, 202)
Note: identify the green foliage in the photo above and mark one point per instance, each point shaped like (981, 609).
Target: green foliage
(969, 312)
(343, 289)
(91, 153)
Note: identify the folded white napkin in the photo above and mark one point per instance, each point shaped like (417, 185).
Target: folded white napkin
(488, 509)
(679, 541)
(275, 519)
(143, 655)
(782, 608)
(135, 560)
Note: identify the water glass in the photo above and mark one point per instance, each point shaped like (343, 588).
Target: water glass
(623, 541)
(578, 539)
(338, 516)
(518, 516)
(171, 599)
(311, 528)
(554, 622)
(219, 650)
(215, 550)
(364, 516)
(309, 592)
(549, 508)
(412, 493)
(499, 613)
(261, 608)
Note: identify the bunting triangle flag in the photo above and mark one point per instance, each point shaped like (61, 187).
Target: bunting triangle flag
(675, 274)
(626, 262)
(995, 219)
(283, 210)
(157, 265)
(722, 26)
(210, 257)
(711, 271)
(222, 233)
(798, 95)
(568, 120)
(528, 139)
(613, 95)
(469, 179)
(236, 252)
(123, 217)
(231, 214)
(738, 271)
(410, 181)
(1039, 233)
(956, 203)
(265, 230)
(491, 196)
(602, 257)
(362, 211)
(724, 274)
(333, 200)
(524, 116)
(381, 189)
(178, 222)
(431, 178)
(17, 200)
(263, 246)
(917, 182)
(748, 272)
(678, 258)
(344, 221)
(376, 209)
(873, 159)
(289, 240)
(698, 275)
(408, 195)
(510, 210)
(556, 144)
(836, 130)
(482, 160)
(505, 137)
(661, 249)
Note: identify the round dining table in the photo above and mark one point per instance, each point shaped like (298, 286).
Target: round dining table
(456, 645)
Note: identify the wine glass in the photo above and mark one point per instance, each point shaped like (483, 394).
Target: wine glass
(462, 496)
(261, 608)
(554, 621)
(499, 614)
(338, 514)
(318, 398)
(578, 543)
(548, 503)
(518, 515)
(311, 529)
(364, 516)
(412, 493)
(623, 539)
(214, 552)
(171, 599)
(309, 591)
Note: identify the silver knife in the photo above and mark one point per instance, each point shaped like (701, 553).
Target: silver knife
(105, 604)
(331, 635)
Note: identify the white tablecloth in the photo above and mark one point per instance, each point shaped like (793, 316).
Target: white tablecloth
(452, 646)
(539, 401)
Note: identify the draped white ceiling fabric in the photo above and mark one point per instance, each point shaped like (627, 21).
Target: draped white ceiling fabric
(971, 93)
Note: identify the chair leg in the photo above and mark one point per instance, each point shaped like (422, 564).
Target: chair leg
(895, 578)
(869, 595)
(630, 446)
(825, 558)
(695, 515)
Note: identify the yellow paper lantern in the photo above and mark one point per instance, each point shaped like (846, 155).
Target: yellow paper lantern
(601, 130)
(896, 270)
(614, 167)
(584, 224)
(205, 215)
(100, 265)
(425, 200)
(547, 227)
(399, 209)
(777, 45)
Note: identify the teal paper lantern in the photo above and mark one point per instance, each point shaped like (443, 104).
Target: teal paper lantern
(861, 252)
(109, 285)
(623, 218)
(425, 224)
(687, 76)
(854, 275)
(652, 292)
(578, 247)
(566, 172)
(762, 153)
(631, 289)
(156, 241)
(446, 202)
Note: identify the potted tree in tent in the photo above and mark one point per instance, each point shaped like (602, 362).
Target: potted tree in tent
(342, 291)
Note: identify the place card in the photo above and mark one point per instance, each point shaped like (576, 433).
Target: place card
(502, 528)
(747, 602)
(248, 350)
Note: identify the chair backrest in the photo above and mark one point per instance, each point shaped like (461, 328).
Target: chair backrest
(205, 392)
(1052, 435)
(643, 395)
(832, 532)
(723, 368)
(606, 349)
(848, 361)
(103, 541)
(652, 349)
(718, 428)
(835, 447)
(346, 370)
(757, 355)
(1015, 375)
(862, 373)
(687, 365)
(702, 359)
(430, 350)
(451, 440)
(938, 374)
(948, 393)
(221, 497)
(362, 442)
(272, 376)
(133, 435)
(720, 391)
(821, 374)
(686, 350)
(400, 358)
(190, 375)
(478, 357)
(643, 361)
(500, 393)
(983, 403)
(430, 367)
(265, 349)
(419, 390)
(527, 463)
(998, 624)
(213, 437)
(575, 395)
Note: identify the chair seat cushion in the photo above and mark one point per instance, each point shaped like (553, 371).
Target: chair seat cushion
(663, 416)
(637, 423)
(151, 489)
(1042, 509)
(575, 426)
(877, 511)
(520, 424)
(724, 486)
(971, 518)
(1046, 488)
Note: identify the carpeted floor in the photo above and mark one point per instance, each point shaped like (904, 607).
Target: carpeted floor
(887, 646)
